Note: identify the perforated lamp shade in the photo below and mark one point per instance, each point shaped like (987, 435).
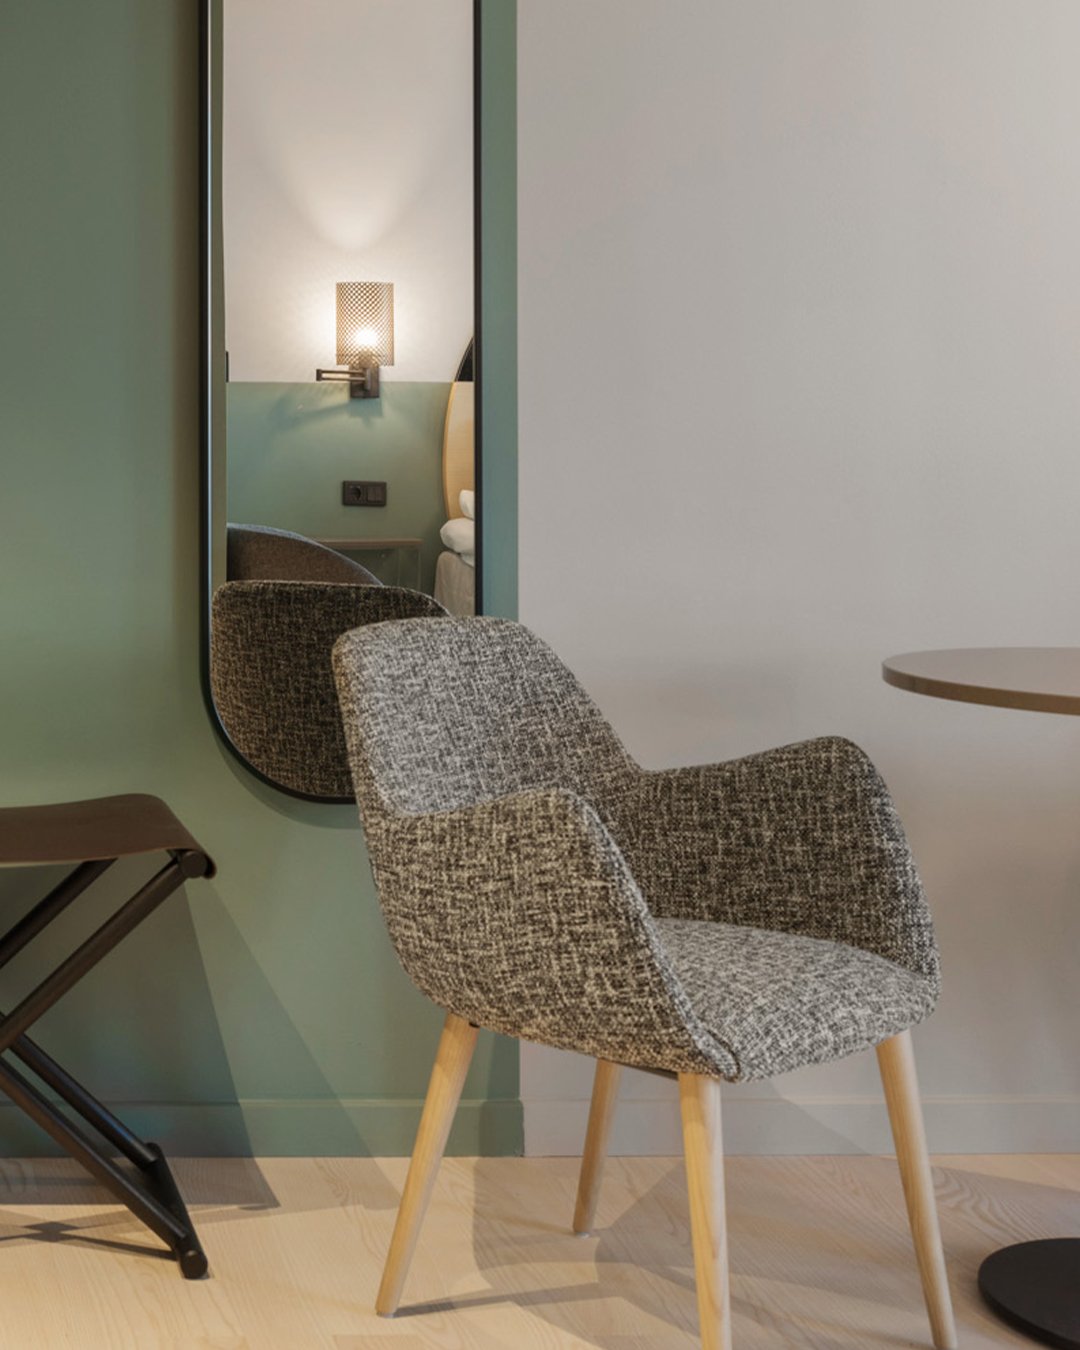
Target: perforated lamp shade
(365, 323)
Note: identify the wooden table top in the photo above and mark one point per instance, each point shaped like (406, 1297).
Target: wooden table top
(1038, 679)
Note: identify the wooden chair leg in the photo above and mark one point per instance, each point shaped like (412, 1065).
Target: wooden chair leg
(896, 1060)
(444, 1092)
(601, 1112)
(699, 1099)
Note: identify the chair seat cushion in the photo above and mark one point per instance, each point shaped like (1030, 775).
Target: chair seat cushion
(779, 1001)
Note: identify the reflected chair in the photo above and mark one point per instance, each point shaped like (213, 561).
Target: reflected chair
(93, 835)
(264, 553)
(271, 678)
(722, 923)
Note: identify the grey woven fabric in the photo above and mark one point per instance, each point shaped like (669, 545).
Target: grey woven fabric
(739, 920)
(757, 991)
(271, 678)
(263, 553)
(802, 839)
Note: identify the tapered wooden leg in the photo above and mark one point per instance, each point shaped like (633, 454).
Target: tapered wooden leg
(896, 1060)
(601, 1112)
(699, 1099)
(444, 1092)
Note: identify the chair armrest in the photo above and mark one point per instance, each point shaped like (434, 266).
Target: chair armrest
(521, 915)
(802, 839)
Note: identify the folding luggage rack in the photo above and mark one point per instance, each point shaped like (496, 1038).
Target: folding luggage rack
(94, 834)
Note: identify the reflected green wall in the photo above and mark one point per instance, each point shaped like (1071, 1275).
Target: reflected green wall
(290, 446)
(261, 1011)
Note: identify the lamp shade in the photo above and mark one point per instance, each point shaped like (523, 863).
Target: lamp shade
(365, 323)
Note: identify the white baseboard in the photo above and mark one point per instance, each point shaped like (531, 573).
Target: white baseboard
(779, 1125)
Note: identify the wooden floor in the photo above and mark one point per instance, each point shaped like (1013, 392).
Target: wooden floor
(819, 1249)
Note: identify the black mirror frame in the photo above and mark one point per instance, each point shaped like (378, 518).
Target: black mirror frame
(212, 362)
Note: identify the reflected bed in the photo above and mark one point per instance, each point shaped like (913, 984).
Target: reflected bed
(455, 571)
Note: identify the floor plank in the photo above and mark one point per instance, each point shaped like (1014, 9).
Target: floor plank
(820, 1253)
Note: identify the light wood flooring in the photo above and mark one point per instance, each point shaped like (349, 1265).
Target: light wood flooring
(820, 1255)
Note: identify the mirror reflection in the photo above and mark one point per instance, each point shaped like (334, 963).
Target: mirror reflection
(347, 234)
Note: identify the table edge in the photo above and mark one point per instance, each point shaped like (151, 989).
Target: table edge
(986, 695)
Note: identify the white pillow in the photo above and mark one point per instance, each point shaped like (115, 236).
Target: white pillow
(467, 503)
(459, 534)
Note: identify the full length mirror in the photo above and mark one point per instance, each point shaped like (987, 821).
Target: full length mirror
(340, 271)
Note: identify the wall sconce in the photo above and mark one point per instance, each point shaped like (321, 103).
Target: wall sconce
(365, 335)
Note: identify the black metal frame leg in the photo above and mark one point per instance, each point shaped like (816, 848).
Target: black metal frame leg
(148, 1190)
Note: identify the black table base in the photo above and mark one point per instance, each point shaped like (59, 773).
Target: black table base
(1035, 1287)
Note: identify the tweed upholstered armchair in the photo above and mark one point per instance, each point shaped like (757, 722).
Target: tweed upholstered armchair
(728, 922)
(264, 553)
(271, 679)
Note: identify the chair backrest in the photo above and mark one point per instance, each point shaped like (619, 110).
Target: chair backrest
(263, 553)
(448, 713)
(271, 676)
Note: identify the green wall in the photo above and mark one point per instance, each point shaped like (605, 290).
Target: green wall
(497, 413)
(261, 1011)
(290, 446)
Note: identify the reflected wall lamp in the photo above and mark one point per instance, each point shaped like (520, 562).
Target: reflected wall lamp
(365, 335)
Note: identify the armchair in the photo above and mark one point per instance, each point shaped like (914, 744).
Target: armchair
(728, 922)
(270, 674)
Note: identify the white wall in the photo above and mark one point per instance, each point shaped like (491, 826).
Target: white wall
(800, 354)
(347, 157)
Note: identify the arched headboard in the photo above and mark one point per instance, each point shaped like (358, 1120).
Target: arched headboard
(459, 438)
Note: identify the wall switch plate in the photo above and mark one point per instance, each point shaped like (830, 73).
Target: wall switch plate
(363, 494)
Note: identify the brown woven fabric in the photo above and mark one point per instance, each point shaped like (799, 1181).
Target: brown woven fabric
(271, 678)
(261, 553)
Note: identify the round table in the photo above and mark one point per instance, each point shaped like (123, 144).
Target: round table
(1034, 1286)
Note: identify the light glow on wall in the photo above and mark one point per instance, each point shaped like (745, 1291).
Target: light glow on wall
(311, 195)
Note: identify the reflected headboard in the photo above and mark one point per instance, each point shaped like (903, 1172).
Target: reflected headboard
(459, 440)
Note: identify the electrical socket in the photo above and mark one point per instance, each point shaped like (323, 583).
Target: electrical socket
(362, 494)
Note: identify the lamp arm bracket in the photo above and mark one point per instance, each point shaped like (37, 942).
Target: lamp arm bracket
(363, 381)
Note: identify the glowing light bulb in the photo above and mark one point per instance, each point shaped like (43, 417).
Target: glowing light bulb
(366, 338)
